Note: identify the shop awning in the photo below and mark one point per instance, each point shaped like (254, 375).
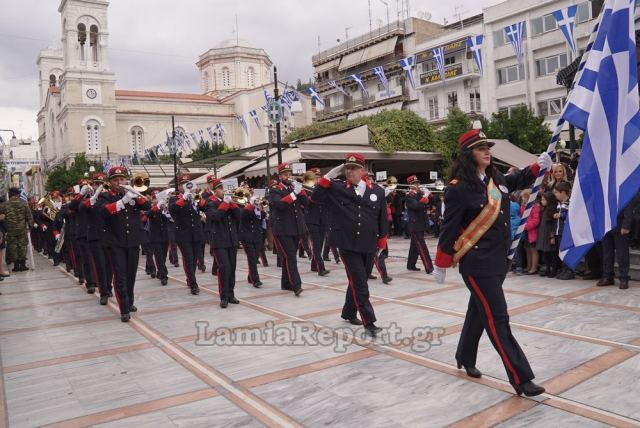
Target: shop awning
(511, 154)
(260, 169)
(369, 53)
(328, 65)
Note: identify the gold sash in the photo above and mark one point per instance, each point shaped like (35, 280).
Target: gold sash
(479, 226)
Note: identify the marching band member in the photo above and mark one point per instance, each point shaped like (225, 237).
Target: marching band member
(417, 204)
(288, 225)
(121, 210)
(97, 240)
(78, 205)
(361, 226)
(223, 216)
(189, 234)
(209, 191)
(476, 233)
(252, 238)
(314, 217)
(159, 237)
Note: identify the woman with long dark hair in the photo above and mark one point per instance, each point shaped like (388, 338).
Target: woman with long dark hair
(476, 234)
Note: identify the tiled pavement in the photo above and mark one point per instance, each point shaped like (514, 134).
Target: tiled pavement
(278, 360)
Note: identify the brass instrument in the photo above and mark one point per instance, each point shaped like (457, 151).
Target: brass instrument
(241, 195)
(140, 182)
(48, 208)
(198, 196)
(132, 190)
(309, 181)
(392, 183)
(105, 187)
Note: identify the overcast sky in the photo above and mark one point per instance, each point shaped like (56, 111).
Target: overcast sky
(154, 44)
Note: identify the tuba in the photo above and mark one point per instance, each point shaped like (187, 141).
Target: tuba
(140, 182)
(48, 208)
(241, 195)
(309, 181)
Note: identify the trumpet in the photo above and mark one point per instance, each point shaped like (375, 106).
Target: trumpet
(140, 182)
(132, 190)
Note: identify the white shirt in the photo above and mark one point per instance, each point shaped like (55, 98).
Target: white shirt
(361, 187)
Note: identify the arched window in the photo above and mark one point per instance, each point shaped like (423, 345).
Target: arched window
(137, 140)
(251, 77)
(93, 42)
(82, 38)
(52, 80)
(205, 81)
(226, 77)
(92, 136)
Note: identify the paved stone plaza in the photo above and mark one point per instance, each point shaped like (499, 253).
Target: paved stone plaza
(70, 362)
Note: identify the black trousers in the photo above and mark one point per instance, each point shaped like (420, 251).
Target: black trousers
(614, 242)
(487, 310)
(357, 297)
(303, 247)
(418, 248)
(379, 262)
(101, 267)
(84, 261)
(200, 261)
(173, 252)
(159, 250)
(287, 246)
(149, 266)
(226, 260)
(316, 236)
(251, 250)
(124, 264)
(190, 251)
(327, 247)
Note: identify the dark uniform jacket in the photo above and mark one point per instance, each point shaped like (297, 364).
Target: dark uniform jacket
(462, 204)
(67, 216)
(97, 230)
(287, 216)
(186, 220)
(417, 206)
(77, 204)
(124, 226)
(223, 220)
(357, 222)
(158, 225)
(251, 224)
(314, 213)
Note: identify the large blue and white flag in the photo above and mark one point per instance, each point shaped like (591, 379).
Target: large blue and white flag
(243, 123)
(379, 71)
(604, 104)
(213, 137)
(255, 118)
(23, 195)
(315, 95)
(267, 96)
(474, 44)
(358, 80)
(438, 55)
(566, 19)
(340, 89)
(515, 34)
(220, 131)
(407, 66)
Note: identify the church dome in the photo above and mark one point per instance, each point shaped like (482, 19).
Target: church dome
(231, 43)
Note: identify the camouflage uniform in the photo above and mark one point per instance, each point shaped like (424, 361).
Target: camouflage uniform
(18, 221)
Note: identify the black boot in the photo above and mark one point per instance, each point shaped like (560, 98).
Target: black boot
(528, 388)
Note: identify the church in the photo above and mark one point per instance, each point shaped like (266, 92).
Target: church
(82, 111)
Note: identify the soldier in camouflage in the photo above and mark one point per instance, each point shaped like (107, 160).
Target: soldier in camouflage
(18, 222)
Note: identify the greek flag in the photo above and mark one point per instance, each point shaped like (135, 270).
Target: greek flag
(220, 130)
(379, 71)
(340, 89)
(407, 66)
(474, 44)
(604, 104)
(514, 33)
(438, 55)
(23, 195)
(267, 96)
(358, 80)
(195, 139)
(210, 131)
(106, 165)
(315, 95)
(566, 19)
(254, 116)
(243, 123)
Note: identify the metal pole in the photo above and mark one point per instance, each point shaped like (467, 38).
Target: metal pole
(277, 97)
(215, 155)
(175, 154)
(572, 139)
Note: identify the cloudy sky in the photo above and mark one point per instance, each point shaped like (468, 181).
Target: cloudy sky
(154, 44)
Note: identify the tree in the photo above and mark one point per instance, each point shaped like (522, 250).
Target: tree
(521, 127)
(206, 150)
(457, 124)
(61, 177)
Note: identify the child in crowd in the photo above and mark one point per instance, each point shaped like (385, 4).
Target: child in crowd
(562, 192)
(548, 207)
(531, 232)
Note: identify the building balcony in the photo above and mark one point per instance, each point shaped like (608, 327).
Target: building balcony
(452, 72)
(352, 105)
(391, 66)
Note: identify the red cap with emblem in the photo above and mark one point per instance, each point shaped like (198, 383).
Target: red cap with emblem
(315, 170)
(117, 171)
(412, 179)
(473, 138)
(184, 178)
(216, 182)
(273, 183)
(211, 178)
(354, 159)
(99, 177)
(284, 167)
(70, 191)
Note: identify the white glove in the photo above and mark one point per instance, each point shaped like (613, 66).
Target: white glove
(334, 172)
(57, 237)
(425, 192)
(544, 160)
(387, 191)
(85, 189)
(257, 212)
(44, 228)
(297, 187)
(252, 200)
(439, 274)
(35, 225)
(120, 205)
(162, 205)
(94, 197)
(187, 196)
(228, 199)
(127, 197)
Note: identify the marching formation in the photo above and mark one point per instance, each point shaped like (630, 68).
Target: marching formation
(99, 228)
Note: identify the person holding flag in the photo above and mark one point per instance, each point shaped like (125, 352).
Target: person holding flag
(477, 203)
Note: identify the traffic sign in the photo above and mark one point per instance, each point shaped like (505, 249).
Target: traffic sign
(274, 111)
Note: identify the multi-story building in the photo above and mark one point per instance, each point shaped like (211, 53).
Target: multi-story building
(462, 84)
(382, 47)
